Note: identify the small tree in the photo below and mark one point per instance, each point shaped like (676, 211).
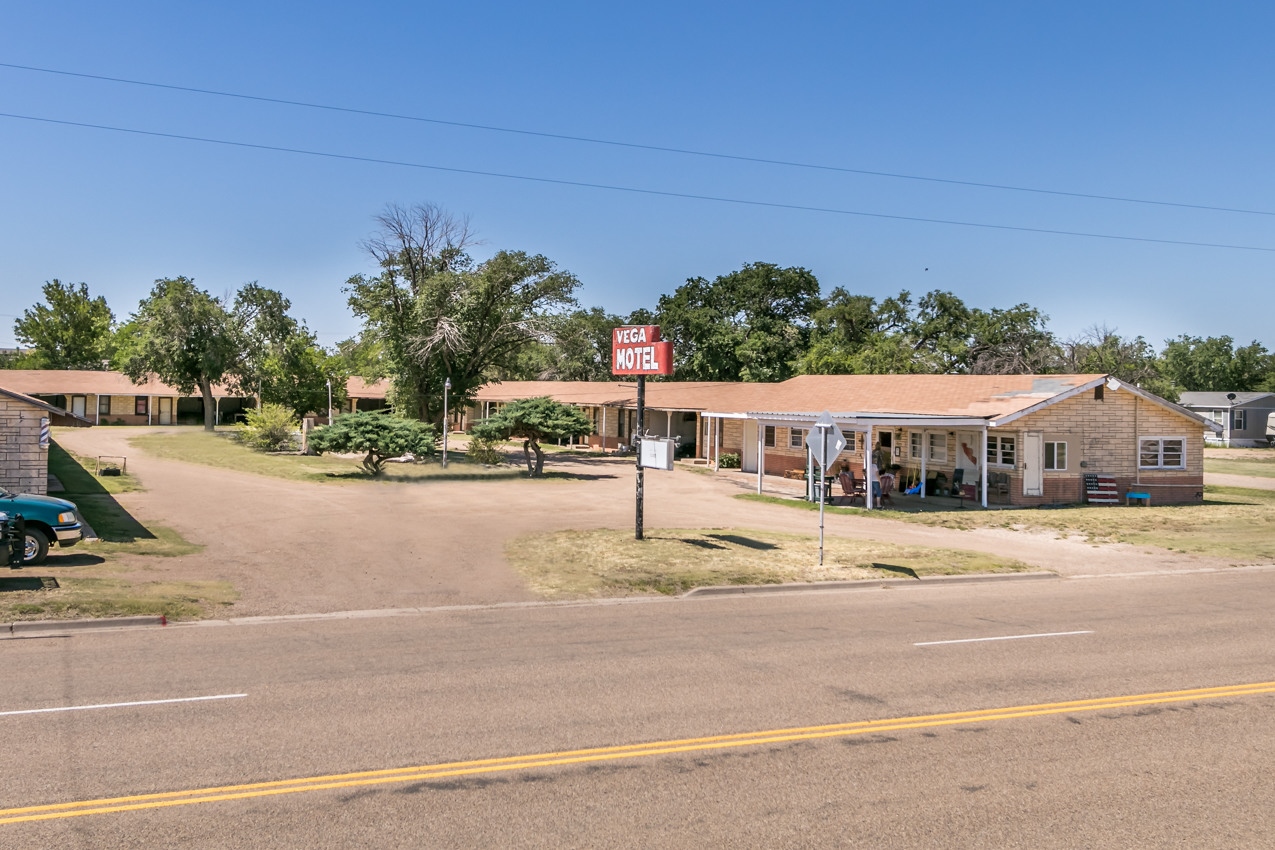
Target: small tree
(272, 428)
(534, 420)
(380, 435)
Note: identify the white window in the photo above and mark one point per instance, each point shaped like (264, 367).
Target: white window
(938, 447)
(1216, 416)
(1238, 420)
(914, 445)
(796, 438)
(1162, 453)
(1003, 451)
(1056, 456)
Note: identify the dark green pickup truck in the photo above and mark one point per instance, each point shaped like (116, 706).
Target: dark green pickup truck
(48, 521)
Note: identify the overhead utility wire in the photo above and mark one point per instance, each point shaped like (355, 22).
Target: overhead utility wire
(639, 146)
(635, 190)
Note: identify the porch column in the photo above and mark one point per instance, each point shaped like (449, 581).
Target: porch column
(97, 400)
(602, 432)
(867, 467)
(982, 462)
(150, 406)
(717, 444)
(217, 409)
(668, 429)
(925, 451)
(761, 455)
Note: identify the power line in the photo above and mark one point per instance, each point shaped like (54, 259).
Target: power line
(638, 146)
(635, 190)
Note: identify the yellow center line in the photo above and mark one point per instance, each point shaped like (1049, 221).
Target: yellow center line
(420, 773)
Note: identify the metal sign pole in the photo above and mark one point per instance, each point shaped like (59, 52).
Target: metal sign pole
(641, 423)
(819, 491)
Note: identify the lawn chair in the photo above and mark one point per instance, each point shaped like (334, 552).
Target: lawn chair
(851, 487)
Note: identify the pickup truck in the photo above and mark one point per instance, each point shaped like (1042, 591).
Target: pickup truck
(48, 521)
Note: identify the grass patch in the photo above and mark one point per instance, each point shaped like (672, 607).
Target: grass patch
(1257, 467)
(672, 561)
(82, 598)
(1233, 523)
(119, 531)
(220, 449)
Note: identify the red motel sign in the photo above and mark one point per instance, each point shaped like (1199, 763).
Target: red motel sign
(638, 350)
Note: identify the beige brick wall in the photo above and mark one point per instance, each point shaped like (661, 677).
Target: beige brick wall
(24, 466)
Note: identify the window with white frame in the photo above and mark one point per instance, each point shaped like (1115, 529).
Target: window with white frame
(1216, 416)
(1002, 450)
(1239, 420)
(796, 438)
(938, 447)
(1056, 456)
(914, 445)
(1162, 453)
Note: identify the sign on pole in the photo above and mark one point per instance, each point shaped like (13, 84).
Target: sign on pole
(638, 350)
(825, 442)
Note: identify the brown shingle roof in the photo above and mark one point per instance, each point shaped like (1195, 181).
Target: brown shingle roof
(87, 382)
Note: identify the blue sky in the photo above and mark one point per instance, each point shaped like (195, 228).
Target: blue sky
(1159, 101)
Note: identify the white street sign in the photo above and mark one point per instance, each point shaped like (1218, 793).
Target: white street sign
(825, 440)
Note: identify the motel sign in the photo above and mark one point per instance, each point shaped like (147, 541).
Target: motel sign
(638, 350)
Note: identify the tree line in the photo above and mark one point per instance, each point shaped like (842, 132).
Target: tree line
(434, 316)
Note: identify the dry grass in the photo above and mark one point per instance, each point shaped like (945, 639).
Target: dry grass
(116, 597)
(1232, 523)
(671, 561)
(1260, 463)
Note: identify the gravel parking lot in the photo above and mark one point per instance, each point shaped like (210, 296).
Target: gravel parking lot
(300, 547)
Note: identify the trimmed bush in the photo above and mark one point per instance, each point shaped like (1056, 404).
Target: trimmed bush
(273, 428)
(730, 460)
(379, 434)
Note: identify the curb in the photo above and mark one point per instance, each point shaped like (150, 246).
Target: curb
(38, 627)
(864, 584)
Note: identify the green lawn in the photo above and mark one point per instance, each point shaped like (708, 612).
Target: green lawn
(1247, 465)
(1233, 523)
(220, 449)
(571, 564)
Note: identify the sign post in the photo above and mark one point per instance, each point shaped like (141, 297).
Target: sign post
(638, 350)
(825, 442)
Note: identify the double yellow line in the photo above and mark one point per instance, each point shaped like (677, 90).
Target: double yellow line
(427, 773)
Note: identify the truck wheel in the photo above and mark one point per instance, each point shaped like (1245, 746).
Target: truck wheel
(37, 547)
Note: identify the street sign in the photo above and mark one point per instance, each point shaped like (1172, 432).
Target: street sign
(825, 440)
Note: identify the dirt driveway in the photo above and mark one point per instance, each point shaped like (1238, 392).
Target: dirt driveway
(300, 547)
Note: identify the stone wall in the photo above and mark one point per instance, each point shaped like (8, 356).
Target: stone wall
(24, 466)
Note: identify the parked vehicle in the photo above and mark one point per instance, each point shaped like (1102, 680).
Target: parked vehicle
(48, 521)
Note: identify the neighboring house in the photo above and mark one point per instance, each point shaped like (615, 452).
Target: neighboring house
(1243, 419)
(111, 398)
(362, 394)
(24, 450)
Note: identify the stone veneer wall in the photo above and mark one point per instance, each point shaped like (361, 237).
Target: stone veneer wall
(24, 466)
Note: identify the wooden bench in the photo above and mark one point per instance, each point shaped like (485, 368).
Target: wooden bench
(1142, 498)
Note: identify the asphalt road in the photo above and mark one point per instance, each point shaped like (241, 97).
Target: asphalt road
(330, 709)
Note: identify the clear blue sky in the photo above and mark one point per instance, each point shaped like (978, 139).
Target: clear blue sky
(1160, 101)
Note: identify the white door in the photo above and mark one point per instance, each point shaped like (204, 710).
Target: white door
(165, 411)
(1033, 464)
(77, 405)
(749, 460)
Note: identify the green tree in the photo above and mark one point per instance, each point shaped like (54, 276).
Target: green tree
(378, 434)
(437, 316)
(71, 330)
(1215, 364)
(534, 420)
(1100, 350)
(1014, 341)
(580, 349)
(184, 336)
(281, 361)
(749, 325)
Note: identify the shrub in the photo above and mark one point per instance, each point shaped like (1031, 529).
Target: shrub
(730, 460)
(381, 435)
(485, 449)
(273, 428)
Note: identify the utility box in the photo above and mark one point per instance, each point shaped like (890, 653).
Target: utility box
(657, 453)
